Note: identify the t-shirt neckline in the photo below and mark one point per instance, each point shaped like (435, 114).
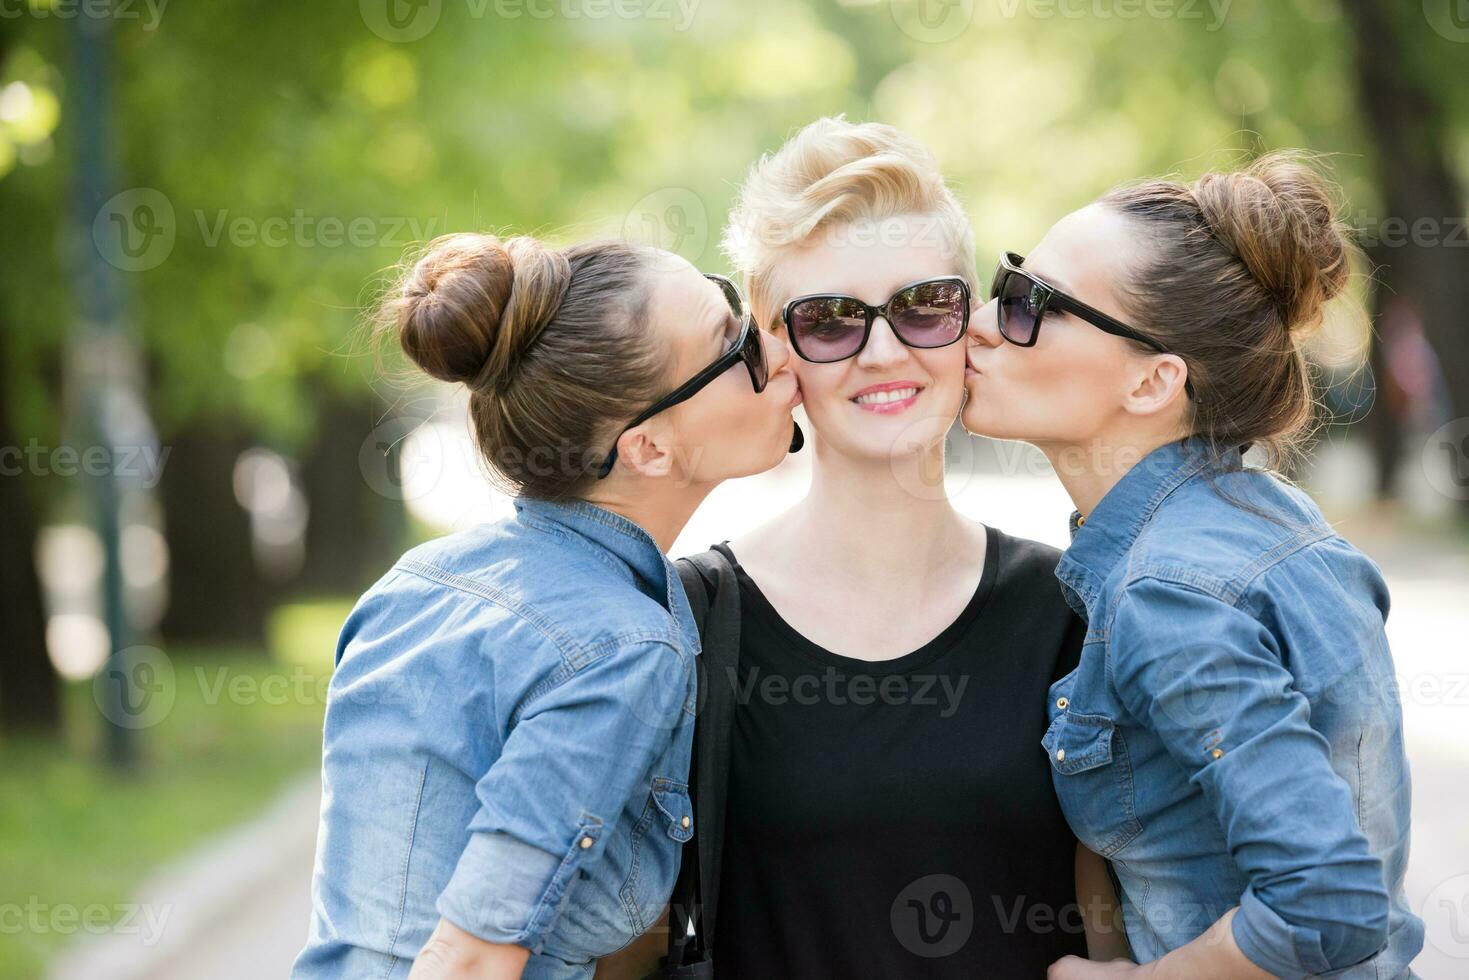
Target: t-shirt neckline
(760, 605)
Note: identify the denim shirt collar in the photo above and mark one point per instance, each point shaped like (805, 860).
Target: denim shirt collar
(1103, 539)
(624, 546)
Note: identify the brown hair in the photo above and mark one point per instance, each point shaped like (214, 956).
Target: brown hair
(551, 344)
(1237, 269)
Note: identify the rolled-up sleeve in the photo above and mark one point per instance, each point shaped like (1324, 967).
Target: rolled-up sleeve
(574, 758)
(1209, 679)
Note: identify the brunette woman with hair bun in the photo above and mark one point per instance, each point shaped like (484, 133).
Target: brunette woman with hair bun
(1232, 738)
(509, 724)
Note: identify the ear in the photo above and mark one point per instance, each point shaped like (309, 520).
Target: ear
(642, 449)
(1157, 385)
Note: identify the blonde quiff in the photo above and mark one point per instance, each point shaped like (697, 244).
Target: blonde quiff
(831, 174)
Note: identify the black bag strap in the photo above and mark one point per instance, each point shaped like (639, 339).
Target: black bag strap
(691, 919)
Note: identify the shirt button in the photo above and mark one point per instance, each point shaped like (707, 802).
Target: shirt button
(1217, 753)
(586, 842)
(1062, 703)
(685, 822)
(1060, 755)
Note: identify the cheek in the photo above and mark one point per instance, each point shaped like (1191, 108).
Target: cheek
(821, 384)
(728, 430)
(1058, 389)
(944, 365)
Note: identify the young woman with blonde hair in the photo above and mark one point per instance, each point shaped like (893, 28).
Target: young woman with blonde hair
(885, 811)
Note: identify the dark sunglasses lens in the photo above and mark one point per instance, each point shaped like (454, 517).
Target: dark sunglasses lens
(930, 314)
(828, 328)
(754, 357)
(1019, 302)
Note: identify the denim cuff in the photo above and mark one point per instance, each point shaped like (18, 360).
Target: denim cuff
(501, 886)
(1274, 945)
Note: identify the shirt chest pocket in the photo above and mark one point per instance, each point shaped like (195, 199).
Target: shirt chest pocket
(1092, 773)
(657, 841)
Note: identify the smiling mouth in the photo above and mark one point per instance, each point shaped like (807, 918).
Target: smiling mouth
(887, 397)
(889, 401)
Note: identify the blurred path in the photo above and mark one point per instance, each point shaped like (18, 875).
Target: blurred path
(237, 909)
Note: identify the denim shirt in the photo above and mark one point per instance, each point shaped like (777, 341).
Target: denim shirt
(507, 745)
(1232, 734)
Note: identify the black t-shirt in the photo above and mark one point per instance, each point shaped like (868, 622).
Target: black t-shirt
(897, 819)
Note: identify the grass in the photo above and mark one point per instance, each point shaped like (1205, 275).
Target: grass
(75, 834)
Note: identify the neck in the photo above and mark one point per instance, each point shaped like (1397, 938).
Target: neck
(879, 516)
(1090, 469)
(660, 507)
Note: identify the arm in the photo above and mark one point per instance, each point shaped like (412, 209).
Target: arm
(1209, 679)
(1212, 956)
(575, 756)
(1106, 937)
(453, 954)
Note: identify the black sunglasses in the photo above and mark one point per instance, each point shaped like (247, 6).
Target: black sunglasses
(746, 347)
(826, 327)
(1024, 300)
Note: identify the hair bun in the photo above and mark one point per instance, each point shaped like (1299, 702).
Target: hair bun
(472, 305)
(1277, 215)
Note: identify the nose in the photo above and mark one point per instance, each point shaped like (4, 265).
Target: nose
(984, 325)
(883, 347)
(777, 352)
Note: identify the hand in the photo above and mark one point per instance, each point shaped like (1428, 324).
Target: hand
(1076, 968)
(453, 954)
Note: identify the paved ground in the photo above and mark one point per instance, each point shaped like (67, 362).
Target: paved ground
(263, 929)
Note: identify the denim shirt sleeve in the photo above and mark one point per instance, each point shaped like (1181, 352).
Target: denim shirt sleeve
(575, 756)
(1210, 680)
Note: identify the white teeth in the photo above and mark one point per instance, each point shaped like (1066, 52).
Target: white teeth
(882, 397)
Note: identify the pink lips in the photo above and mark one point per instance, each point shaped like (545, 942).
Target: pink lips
(889, 408)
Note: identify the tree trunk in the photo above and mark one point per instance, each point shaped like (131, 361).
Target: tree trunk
(216, 594)
(1383, 424)
(29, 688)
(1420, 243)
(352, 530)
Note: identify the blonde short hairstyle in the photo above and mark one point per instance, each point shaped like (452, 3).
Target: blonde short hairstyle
(828, 176)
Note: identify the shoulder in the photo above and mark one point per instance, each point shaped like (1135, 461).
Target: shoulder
(509, 585)
(1025, 571)
(1026, 586)
(1024, 558)
(1221, 537)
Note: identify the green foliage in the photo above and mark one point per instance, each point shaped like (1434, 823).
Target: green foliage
(258, 122)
